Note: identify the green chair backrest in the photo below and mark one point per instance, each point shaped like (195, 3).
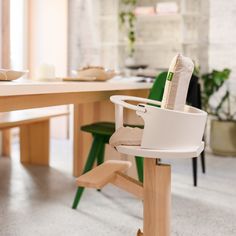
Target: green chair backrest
(157, 90)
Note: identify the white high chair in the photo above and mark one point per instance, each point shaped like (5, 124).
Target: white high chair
(171, 130)
(167, 133)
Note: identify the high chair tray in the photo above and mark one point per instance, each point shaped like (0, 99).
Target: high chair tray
(150, 153)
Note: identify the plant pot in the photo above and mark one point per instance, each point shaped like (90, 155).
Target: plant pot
(223, 137)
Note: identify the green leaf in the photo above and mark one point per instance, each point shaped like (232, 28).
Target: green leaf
(212, 82)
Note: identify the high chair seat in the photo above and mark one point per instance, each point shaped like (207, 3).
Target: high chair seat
(161, 154)
(164, 129)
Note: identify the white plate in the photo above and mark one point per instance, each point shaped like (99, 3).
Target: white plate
(99, 73)
(80, 79)
(9, 75)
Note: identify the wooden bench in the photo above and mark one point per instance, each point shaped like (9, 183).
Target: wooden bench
(34, 132)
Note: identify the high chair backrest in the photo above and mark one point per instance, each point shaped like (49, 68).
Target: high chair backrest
(177, 83)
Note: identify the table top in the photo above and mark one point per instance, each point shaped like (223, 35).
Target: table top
(30, 87)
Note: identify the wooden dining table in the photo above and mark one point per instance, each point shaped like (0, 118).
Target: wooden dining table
(90, 102)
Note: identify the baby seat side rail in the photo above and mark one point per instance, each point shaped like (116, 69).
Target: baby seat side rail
(120, 104)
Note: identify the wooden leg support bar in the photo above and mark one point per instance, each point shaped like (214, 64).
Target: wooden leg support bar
(157, 198)
(128, 184)
(156, 191)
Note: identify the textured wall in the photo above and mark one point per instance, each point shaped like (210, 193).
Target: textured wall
(222, 42)
(159, 38)
(93, 33)
(222, 37)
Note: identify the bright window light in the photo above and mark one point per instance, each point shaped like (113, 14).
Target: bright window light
(17, 34)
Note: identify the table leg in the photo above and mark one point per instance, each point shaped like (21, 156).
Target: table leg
(77, 141)
(157, 198)
(83, 114)
(6, 143)
(34, 143)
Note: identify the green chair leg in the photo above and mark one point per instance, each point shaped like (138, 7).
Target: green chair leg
(139, 166)
(78, 195)
(95, 149)
(100, 158)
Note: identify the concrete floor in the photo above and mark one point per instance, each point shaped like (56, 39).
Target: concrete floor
(37, 200)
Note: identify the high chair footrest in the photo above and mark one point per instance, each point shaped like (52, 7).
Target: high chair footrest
(102, 174)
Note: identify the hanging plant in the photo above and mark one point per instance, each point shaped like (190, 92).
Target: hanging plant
(127, 23)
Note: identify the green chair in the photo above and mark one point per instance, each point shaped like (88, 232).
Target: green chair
(102, 132)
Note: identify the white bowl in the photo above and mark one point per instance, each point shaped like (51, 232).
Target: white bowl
(9, 75)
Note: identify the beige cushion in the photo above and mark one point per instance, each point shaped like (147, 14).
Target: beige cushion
(126, 136)
(177, 83)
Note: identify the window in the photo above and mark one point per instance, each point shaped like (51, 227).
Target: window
(18, 34)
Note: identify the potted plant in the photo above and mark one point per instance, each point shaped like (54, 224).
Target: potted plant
(217, 101)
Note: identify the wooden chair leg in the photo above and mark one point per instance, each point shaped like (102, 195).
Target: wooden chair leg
(203, 162)
(95, 149)
(139, 233)
(139, 166)
(34, 143)
(194, 164)
(157, 198)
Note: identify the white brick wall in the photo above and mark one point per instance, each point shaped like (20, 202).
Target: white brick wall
(222, 36)
(158, 29)
(159, 38)
(84, 33)
(93, 33)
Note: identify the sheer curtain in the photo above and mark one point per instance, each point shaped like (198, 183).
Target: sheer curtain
(18, 34)
(5, 63)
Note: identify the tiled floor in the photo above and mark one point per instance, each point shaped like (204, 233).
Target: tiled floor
(37, 200)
